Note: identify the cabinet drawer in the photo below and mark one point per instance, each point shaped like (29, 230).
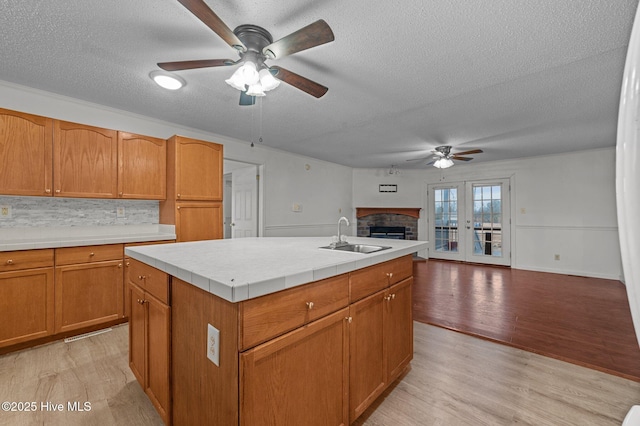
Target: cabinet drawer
(87, 254)
(149, 279)
(268, 316)
(377, 277)
(25, 259)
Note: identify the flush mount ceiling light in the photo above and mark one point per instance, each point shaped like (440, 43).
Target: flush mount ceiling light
(255, 45)
(167, 81)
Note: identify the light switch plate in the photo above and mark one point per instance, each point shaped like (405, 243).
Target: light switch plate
(120, 212)
(5, 212)
(213, 344)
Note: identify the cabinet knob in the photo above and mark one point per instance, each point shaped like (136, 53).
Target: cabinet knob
(119, 194)
(349, 319)
(310, 305)
(178, 195)
(57, 191)
(9, 262)
(128, 264)
(92, 254)
(141, 277)
(119, 265)
(47, 191)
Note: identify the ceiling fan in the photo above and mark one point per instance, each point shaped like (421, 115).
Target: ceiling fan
(255, 45)
(443, 158)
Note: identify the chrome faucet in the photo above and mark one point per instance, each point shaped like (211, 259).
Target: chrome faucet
(340, 241)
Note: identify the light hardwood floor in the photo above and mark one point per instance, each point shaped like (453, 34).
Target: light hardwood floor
(455, 379)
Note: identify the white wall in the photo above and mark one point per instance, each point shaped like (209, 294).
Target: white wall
(568, 201)
(324, 190)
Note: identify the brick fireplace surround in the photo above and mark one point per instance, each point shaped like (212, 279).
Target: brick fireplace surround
(388, 216)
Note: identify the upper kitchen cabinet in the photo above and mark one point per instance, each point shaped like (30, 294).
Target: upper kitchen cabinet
(197, 169)
(25, 154)
(142, 167)
(194, 189)
(85, 161)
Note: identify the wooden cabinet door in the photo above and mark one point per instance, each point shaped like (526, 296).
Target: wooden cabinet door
(157, 353)
(300, 378)
(137, 333)
(198, 170)
(199, 221)
(367, 378)
(142, 167)
(88, 294)
(398, 330)
(85, 161)
(26, 305)
(26, 144)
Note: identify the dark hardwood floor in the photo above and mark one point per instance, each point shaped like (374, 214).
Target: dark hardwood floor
(585, 321)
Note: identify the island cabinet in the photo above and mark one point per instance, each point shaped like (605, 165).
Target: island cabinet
(85, 160)
(315, 354)
(381, 332)
(26, 147)
(26, 295)
(88, 286)
(194, 189)
(149, 333)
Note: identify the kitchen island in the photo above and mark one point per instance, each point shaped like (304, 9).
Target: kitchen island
(269, 330)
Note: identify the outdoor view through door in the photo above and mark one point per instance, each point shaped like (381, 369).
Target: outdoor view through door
(469, 221)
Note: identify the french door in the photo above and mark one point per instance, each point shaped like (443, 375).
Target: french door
(470, 221)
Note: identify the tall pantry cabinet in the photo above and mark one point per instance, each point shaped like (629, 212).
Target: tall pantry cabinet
(194, 189)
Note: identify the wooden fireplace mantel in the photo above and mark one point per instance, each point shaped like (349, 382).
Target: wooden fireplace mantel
(408, 211)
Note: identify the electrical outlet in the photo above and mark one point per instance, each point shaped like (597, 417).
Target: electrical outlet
(120, 212)
(556, 257)
(5, 212)
(213, 344)
(296, 207)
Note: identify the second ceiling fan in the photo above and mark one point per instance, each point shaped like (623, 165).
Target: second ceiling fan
(255, 45)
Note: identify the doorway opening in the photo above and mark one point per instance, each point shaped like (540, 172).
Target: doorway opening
(242, 200)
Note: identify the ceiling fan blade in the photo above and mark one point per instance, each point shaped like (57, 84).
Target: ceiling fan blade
(455, 157)
(188, 65)
(305, 38)
(473, 151)
(200, 9)
(246, 100)
(300, 82)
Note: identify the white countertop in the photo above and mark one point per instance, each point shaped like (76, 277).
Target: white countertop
(26, 238)
(244, 268)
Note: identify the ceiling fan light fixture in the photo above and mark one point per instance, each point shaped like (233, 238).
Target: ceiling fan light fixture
(167, 81)
(256, 90)
(236, 80)
(443, 163)
(268, 81)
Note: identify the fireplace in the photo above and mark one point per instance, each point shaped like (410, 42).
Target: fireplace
(390, 232)
(388, 222)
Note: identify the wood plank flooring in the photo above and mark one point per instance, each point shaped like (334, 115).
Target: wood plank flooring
(585, 321)
(454, 379)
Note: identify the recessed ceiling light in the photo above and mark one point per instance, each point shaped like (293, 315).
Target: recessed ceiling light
(167, 81)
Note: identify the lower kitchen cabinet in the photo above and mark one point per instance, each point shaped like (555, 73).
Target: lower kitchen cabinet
(300, 378)
(367, 377)
(88, 294)
(26, 296)
(150, 335)
(381, 343)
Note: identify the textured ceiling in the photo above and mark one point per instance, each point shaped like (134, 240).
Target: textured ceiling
(512, 77)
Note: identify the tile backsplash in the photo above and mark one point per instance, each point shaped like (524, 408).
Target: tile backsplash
(54, 211)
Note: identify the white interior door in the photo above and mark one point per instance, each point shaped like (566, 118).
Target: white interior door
(470, 221)
(244, 202)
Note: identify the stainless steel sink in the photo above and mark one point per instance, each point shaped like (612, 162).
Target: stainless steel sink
(357, 248)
